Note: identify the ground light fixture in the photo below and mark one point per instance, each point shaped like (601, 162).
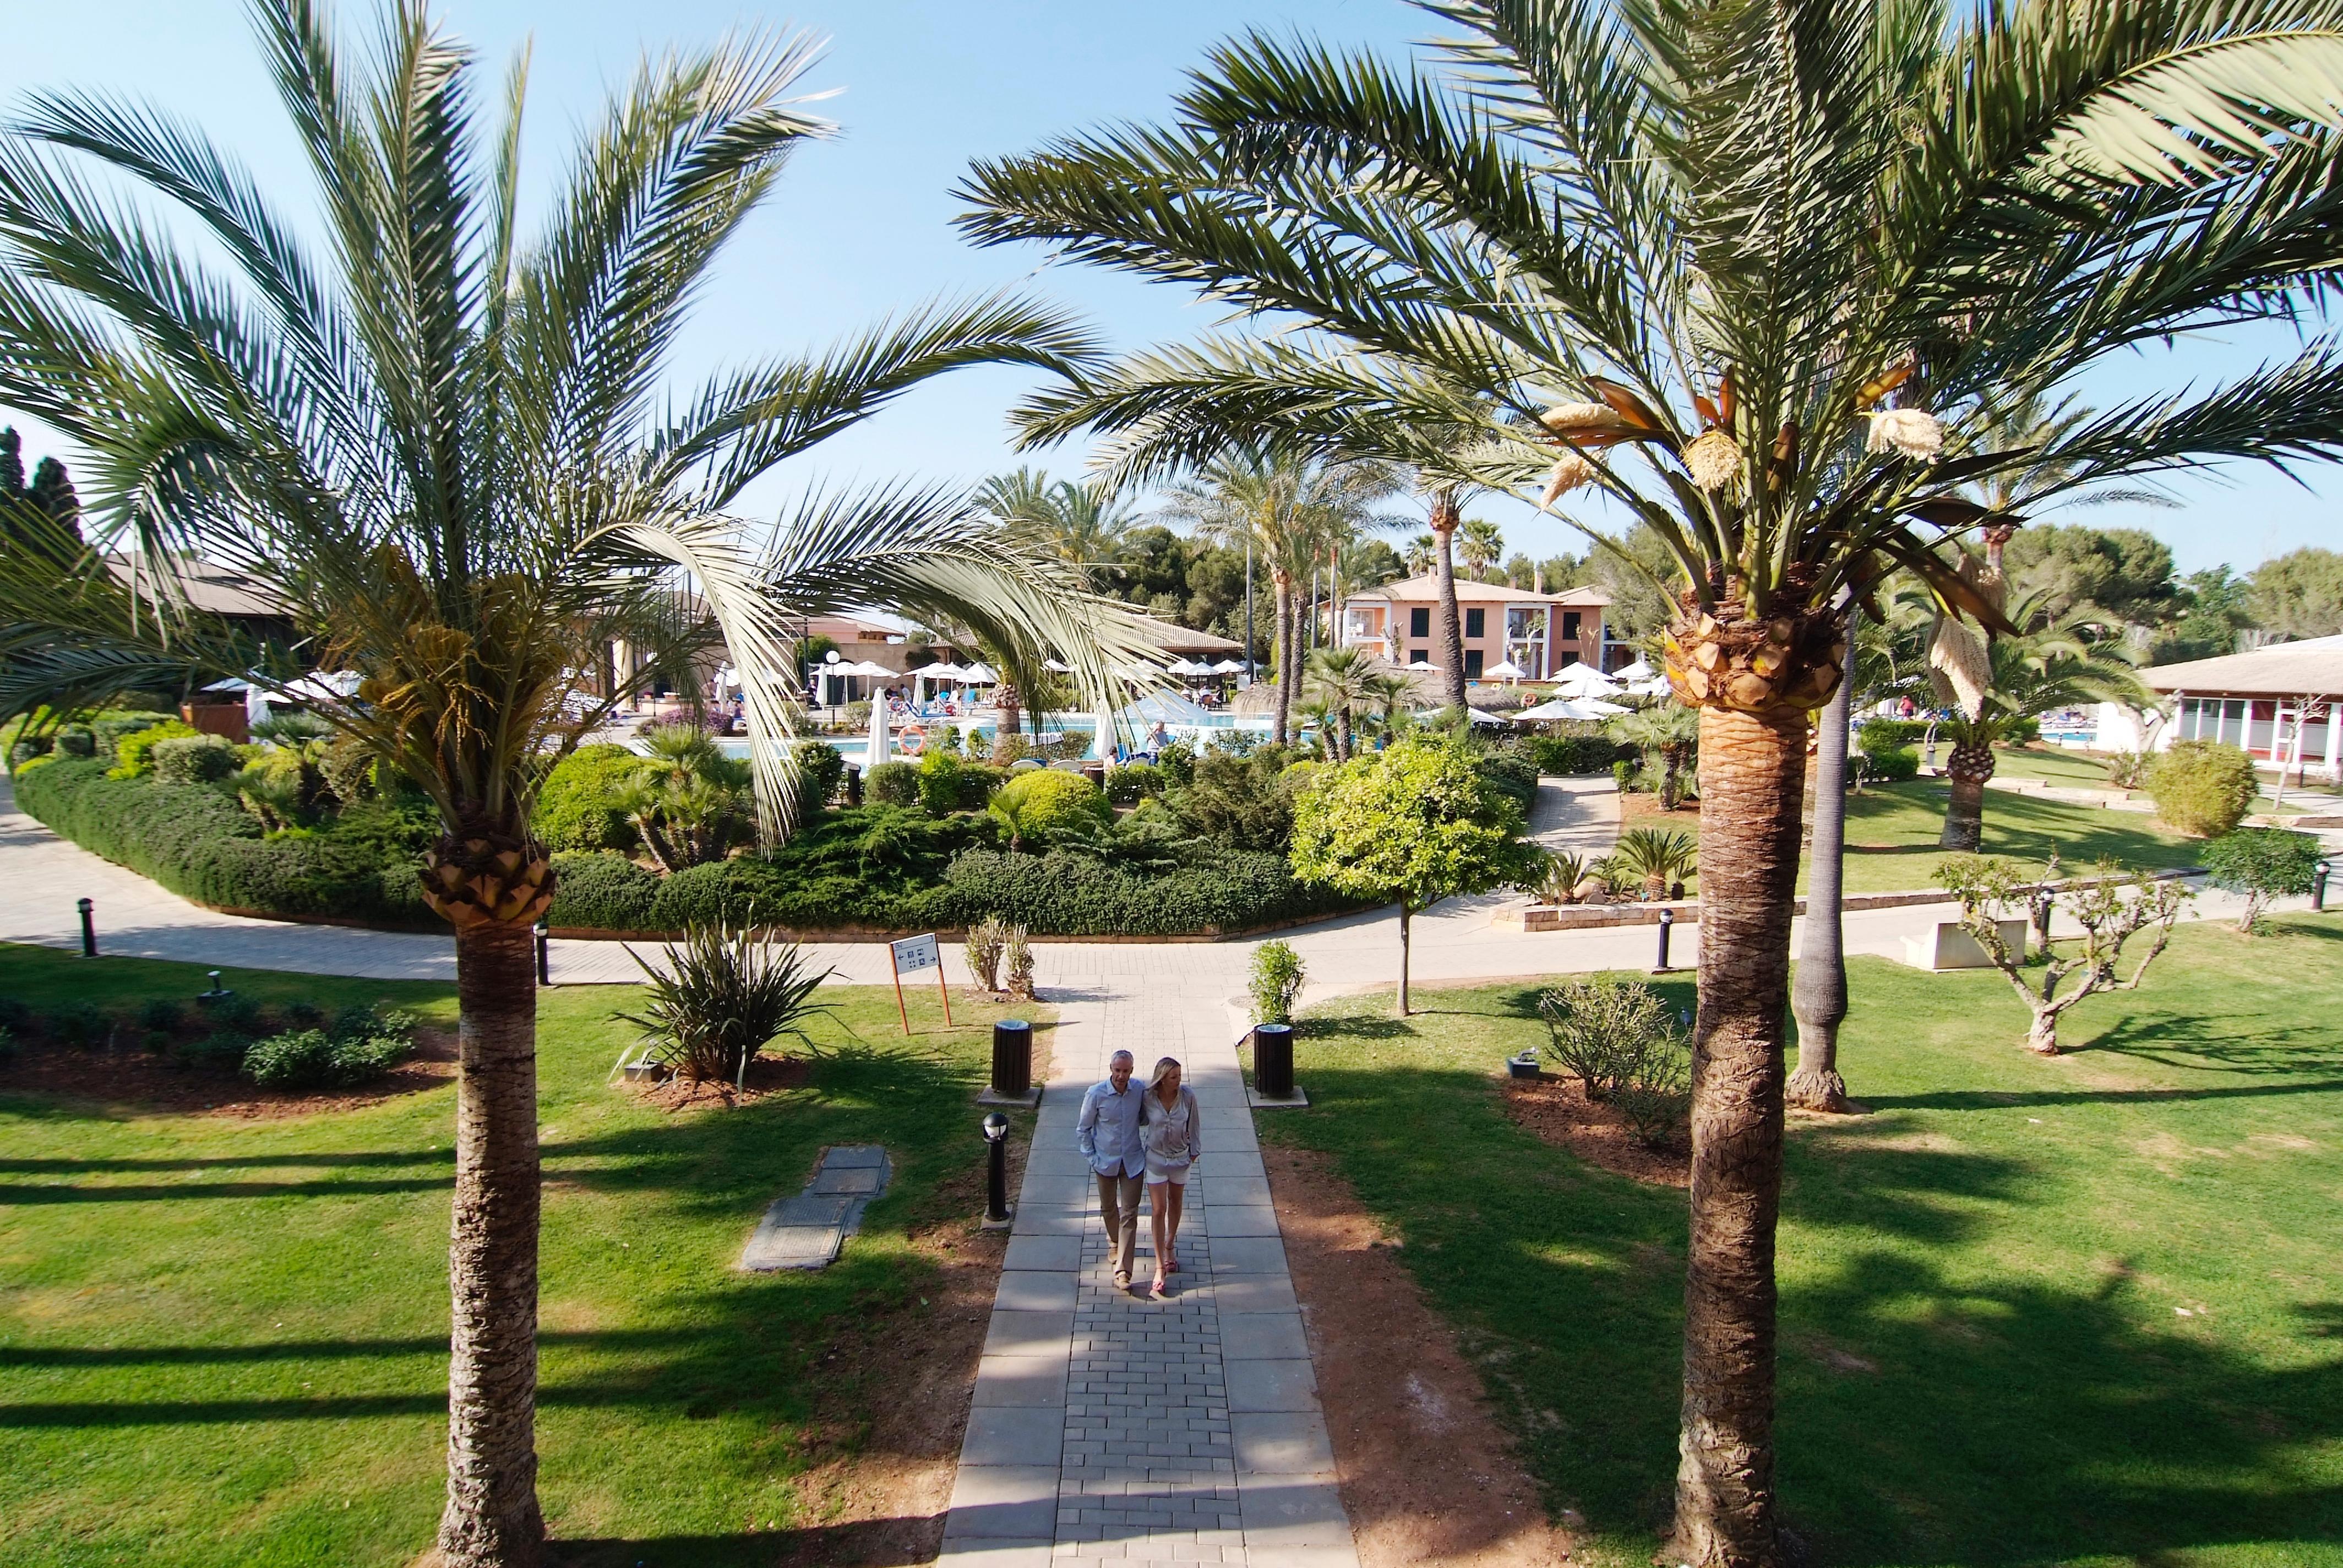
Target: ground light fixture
(996, 1169)
(89, 928)
(2318, 885)
(1667, 928)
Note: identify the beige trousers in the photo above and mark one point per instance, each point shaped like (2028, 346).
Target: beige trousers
(1119, 1206)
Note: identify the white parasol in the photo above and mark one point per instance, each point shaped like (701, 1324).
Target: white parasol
(879, 750)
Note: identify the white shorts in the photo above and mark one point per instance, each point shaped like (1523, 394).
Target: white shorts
(1160, 1175)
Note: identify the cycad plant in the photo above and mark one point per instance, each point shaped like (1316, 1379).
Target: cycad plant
(1655, 857)
(1755, 270)
(440, 444)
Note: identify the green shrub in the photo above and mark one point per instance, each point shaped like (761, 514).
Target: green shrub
(1623, 775)
(77, 740)
(221, 1048)
(26, 748)
(2022, 732)
(1511, 771)
(2263, 863)
(161, 1013)
(1886, 734)
(1133, 782)
(820, 772)
(725, 996)
(891, 784)
(1178, 762)
(113, 728)
(2202, 787)
(81, 1025)
(979, 781)
(1067, 893)
(1242, 801)
(133, 753)
(1892, 764)
(602, 891)
(1048, 806)
(575, 806)
(194, 760)
(939, 783)
(1600, 1030)
(1574, 754)
(312, 1059)
(1275, 982)
(233, 1013)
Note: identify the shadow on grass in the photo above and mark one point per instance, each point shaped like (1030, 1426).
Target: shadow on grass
(869, 1542)
(2002, 1100)
(1925, 1416)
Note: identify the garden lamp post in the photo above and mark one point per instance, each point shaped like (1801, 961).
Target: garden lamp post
(88, 928)
(543, 931)
(2318, 885)
(996, 1169)
(1667, 928)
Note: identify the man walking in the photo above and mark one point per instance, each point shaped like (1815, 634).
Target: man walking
(1106, 1133)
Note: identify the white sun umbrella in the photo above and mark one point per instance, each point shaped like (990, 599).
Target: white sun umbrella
(1504, 670)
(1189, 667)
(1636, 673)
(979, 674)
(1655, 687)
(1229, 667)
(879, 749)
(1585, 680)
(1567, 708)
(1104, 742)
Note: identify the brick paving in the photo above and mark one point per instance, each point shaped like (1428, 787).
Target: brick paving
(1107, 1425)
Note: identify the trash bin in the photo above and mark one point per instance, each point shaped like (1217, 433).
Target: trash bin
(1012, 1056)
(1273, 1060)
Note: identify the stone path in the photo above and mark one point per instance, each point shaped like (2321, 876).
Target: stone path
(1576, 816)
(1106, 1425)
(806, 1231)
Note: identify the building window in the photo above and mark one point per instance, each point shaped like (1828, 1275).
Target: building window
(1570, 626)
(1419, 623)
(1472, 661)
(1419, 655)
(1476, 623)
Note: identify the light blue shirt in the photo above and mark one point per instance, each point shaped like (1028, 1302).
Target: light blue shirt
(1107, 1133)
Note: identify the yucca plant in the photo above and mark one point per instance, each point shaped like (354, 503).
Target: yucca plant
(724, 994)
(443, 447)
(1755, 270)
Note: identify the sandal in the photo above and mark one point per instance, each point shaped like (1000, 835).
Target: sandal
(1172, 1265)
(1160, 1288)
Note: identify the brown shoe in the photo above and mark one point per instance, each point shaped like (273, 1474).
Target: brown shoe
(1123, 1281)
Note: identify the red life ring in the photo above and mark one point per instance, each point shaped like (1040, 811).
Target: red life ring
(913, 740)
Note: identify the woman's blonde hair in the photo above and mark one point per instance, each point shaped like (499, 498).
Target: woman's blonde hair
(1162, 1064)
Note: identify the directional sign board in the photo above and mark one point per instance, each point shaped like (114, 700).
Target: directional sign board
(912, 955)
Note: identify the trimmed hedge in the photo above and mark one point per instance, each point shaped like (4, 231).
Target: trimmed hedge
(1065, 893)
(133, 753)
(196, 840)
(1568, 754)
(1892, 764)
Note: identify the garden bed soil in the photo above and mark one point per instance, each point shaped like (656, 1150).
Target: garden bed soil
(1558, 1111)
(766, 1075)
(1427, 1474)
(138, 1080)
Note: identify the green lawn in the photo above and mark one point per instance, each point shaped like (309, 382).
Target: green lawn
(2076, 1311)
(2082, 771)
(223, 1342)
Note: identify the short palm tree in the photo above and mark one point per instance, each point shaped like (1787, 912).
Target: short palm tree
(1753, 271)
(442, 448)
(1292, 510)
(1668, 730)
(1347, 685)
(2039, 664)
(1082, 525)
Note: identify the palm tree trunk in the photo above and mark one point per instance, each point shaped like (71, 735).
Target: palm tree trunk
(1444, 518)
(1818, 995)
(1752, 770)
(1964, 808)
(1405, 937)
(1281, 590)
(492, 1519)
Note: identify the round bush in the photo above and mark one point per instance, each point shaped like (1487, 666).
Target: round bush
(820, 771)
(133, 753)
(2276, 862)
(1048, 804)
(194, 760)
(602, 892)
(939, 783)
(573, 808)
(1892, 764)
(1133, 782)
(891, 784)
(2202, 787)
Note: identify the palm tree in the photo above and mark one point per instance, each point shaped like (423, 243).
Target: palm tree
(1751, 271)
(1347, 685)
(2041, 664)
(1482, 545)
(1292, 510)
(1668, 728)
(442, 449)
(1421, 551)
(1082, 525)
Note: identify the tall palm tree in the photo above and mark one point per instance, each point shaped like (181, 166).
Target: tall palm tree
(1082, 525)
(1481, 546)
(442, 448)
(1750, 270)
(1292, 509)
(1419, 555)
(2038, 664)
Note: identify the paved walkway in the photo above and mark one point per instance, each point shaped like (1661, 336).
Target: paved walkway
(1573, 816)
(1105, 1425)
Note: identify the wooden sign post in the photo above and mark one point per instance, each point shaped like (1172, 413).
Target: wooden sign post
(912, 955)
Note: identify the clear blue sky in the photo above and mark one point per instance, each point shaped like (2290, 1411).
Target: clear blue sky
(862, 226)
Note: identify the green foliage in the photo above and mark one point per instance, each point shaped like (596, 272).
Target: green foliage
(988, 939)
(2202, 787)
(2263, 863)
(1049, 807)
(724, 996)
(1068, 893)
(1655, 857)
(190, 759)
(1892, 764)
(601, 892)
(2298, 594)
(1275, 982)
(134, 752)
(941, 786)
(1178, 762)
(1244, 801)
(891, 784)
(1878, 735)
(820, 772)
(1133, 782)
(360, 1049)
(1567, 755)
(1411, 824)
(1511, 771)
(76, 740)
(577, 806)
(1601, 1030)
(112, 726)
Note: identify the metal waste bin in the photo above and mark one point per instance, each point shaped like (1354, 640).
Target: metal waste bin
(1012, 1056)
(1273, 1060)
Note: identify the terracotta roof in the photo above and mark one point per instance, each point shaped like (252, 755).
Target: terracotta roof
(1470, 592)
(2311, 668)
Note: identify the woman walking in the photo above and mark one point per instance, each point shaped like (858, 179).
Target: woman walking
(1170, 1131)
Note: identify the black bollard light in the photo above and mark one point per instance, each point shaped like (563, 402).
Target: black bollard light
(1667, 928)
(996, 1168)
(2318, 886)
(1012, 1057)
(88, 928)
(543, 957)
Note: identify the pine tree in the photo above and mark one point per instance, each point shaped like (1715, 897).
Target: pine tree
(12, 465)
(53, 492)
